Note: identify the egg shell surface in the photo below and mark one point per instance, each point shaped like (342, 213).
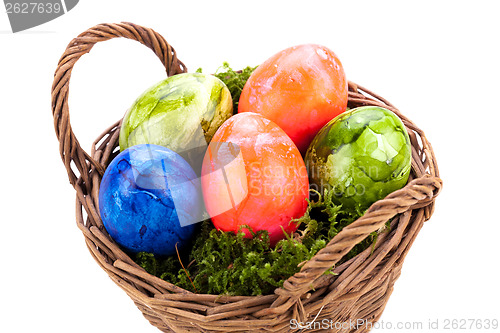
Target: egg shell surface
(254, 175)
(147, 199)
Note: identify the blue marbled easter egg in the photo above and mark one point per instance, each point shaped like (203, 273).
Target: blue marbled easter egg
(149, 199)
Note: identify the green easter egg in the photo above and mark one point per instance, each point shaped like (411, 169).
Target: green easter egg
(362, 155)
(180, 113)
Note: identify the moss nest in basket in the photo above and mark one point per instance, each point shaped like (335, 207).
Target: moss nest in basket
(220, 262)
(227, 263)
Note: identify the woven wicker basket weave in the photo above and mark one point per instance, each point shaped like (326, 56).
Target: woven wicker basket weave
(362, 286)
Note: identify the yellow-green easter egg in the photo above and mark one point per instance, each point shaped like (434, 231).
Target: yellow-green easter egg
(180, 113)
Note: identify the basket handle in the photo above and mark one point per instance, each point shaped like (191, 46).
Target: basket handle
(69, 146)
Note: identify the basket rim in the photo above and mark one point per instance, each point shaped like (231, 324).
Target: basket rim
(425, 172)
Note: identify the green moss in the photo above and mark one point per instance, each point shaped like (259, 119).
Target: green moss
(234, 80)
(228, 263)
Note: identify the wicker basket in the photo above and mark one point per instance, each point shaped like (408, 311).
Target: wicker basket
(362, 286)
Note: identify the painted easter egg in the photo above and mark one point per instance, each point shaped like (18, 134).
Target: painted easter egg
(253, 175)
(300, 89)
(181, 113)
(362, 155)
(149, 199)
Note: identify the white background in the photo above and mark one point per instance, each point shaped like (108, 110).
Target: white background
(438, 62)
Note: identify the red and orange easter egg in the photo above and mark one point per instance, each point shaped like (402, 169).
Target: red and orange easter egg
(300, 89)
(253, 175)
